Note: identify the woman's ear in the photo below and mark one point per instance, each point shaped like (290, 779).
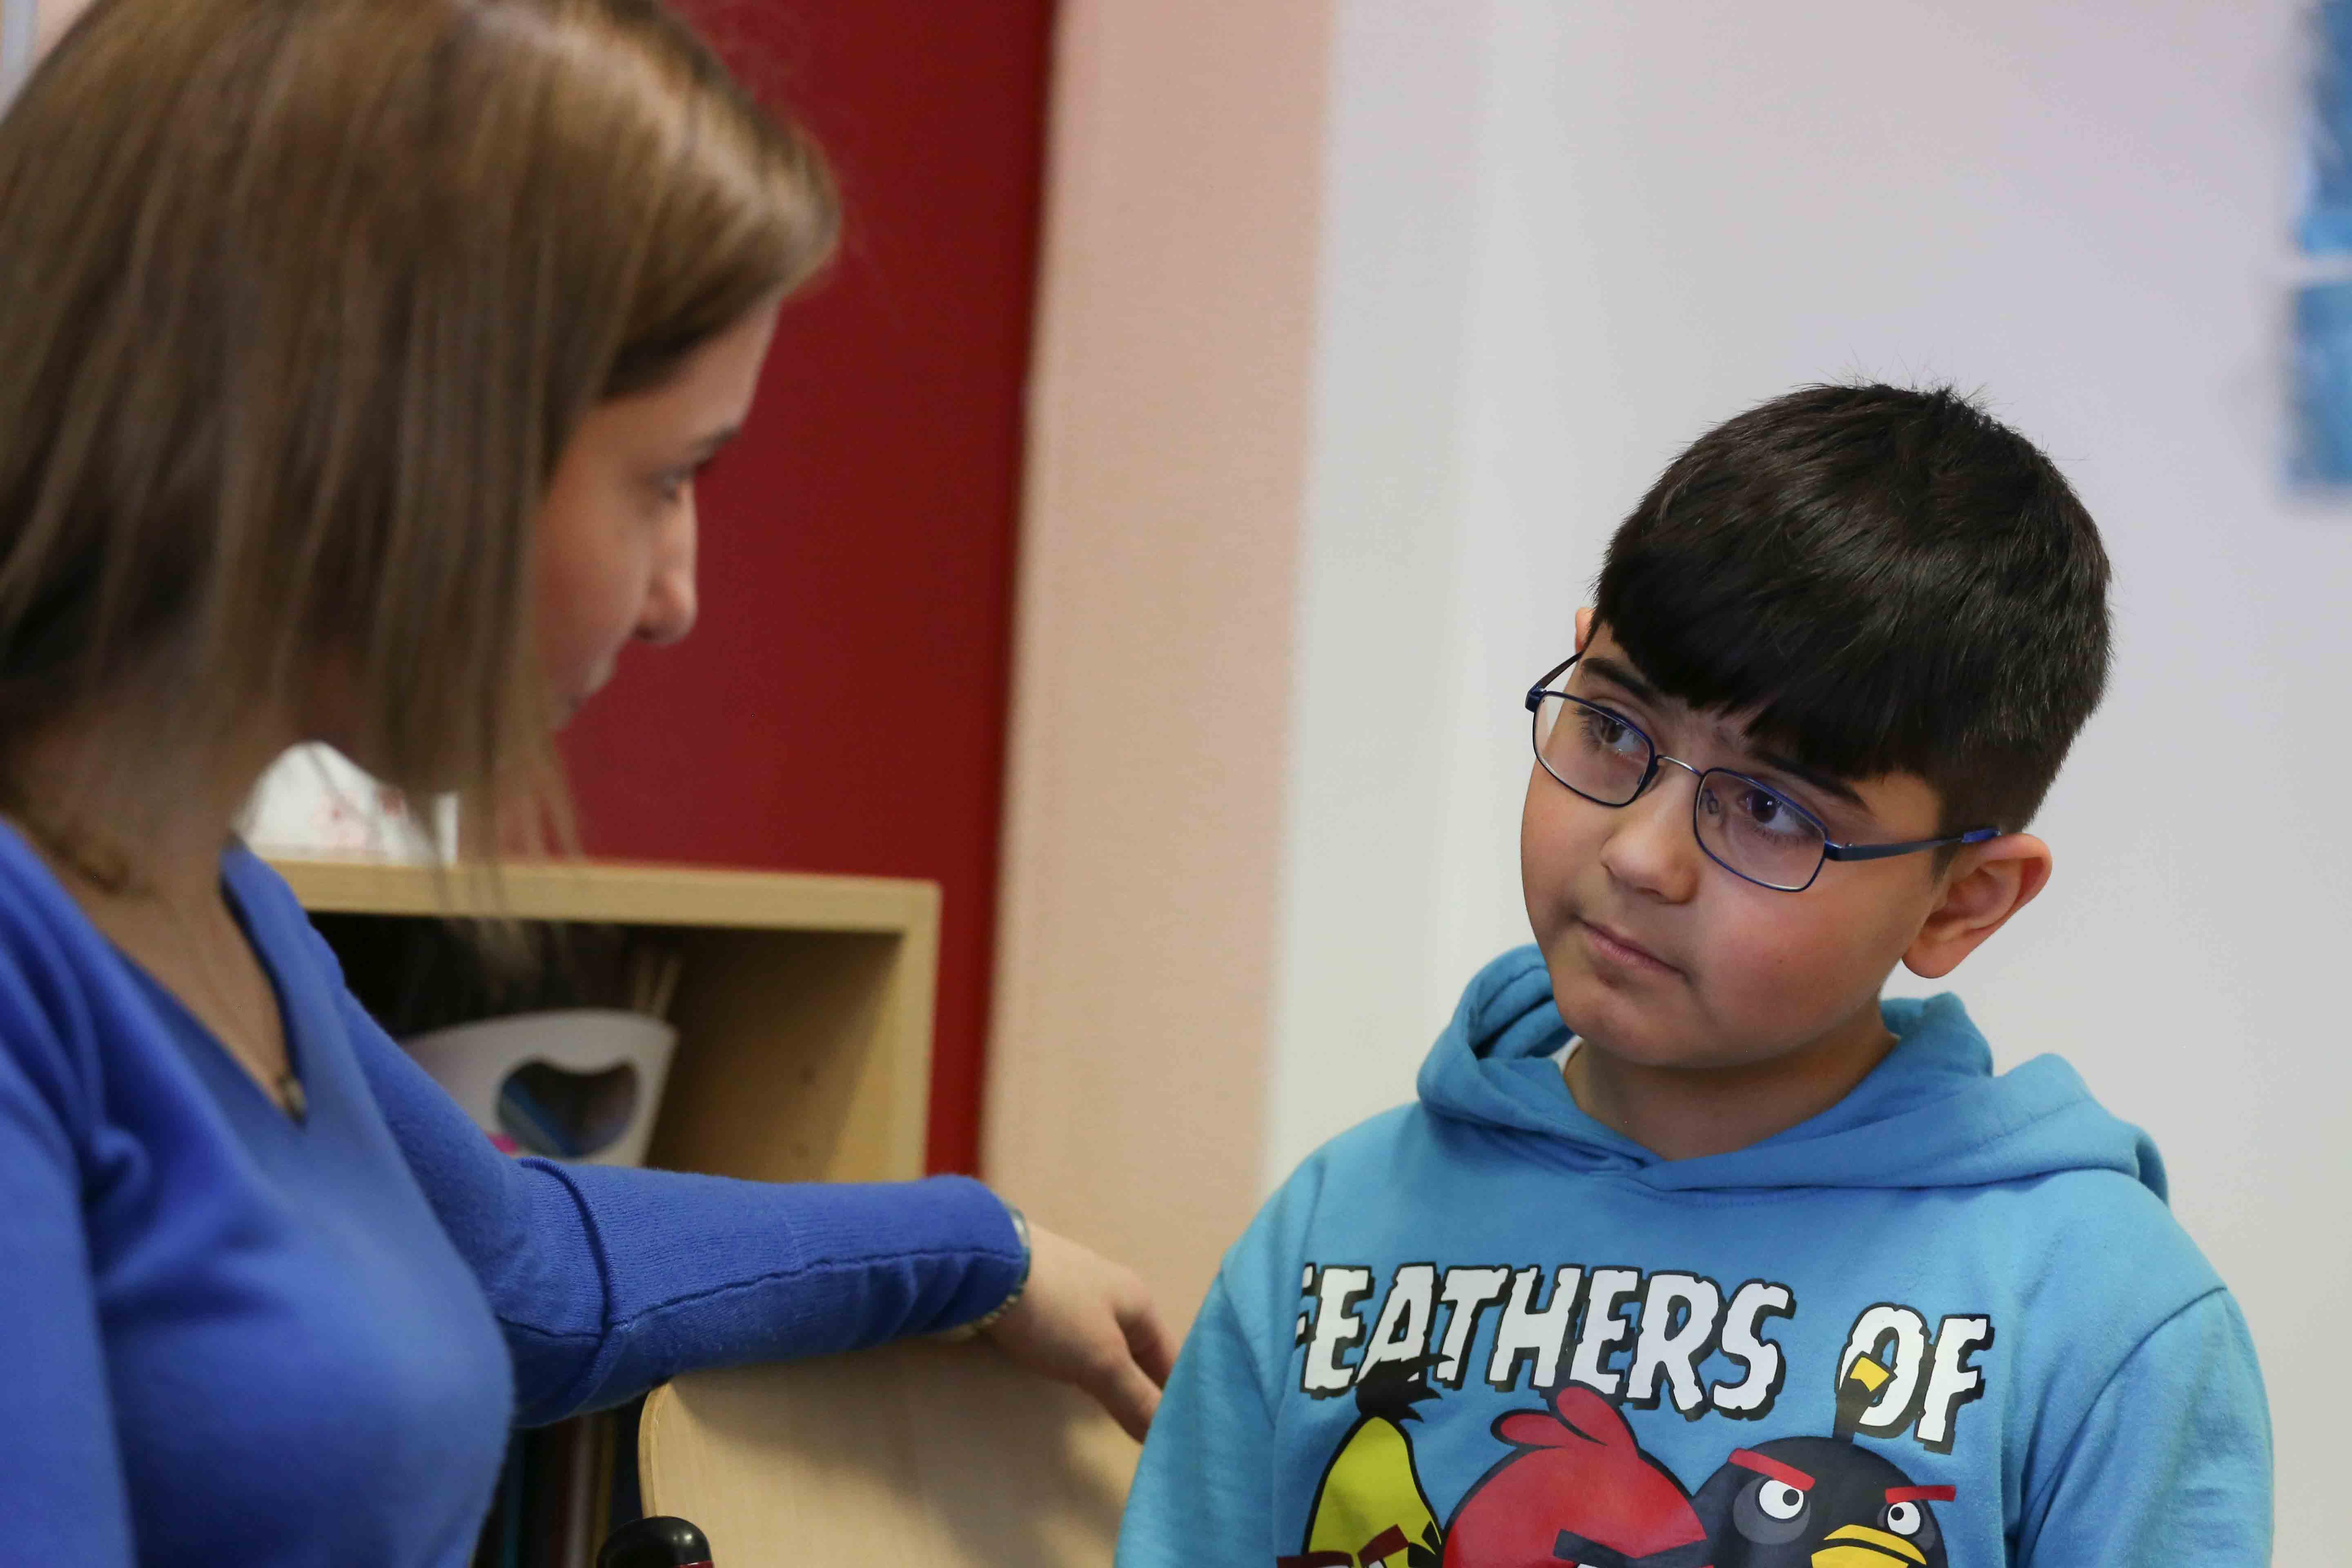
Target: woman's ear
(1984, 885)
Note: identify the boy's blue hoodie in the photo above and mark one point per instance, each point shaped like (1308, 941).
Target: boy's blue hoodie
(1949, 1320)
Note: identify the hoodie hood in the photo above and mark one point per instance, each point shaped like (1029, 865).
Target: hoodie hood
(1933, 1114)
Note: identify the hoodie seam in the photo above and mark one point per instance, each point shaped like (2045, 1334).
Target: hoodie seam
(2075, 1438)
(2006, 1131)
(1488, 1014)
(2012, 1129)
(1750, 1197)
(1640, 1177)
(1220, 1301)
(1746, 1195)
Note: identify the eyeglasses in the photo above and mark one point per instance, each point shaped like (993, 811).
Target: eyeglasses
(1750, 829)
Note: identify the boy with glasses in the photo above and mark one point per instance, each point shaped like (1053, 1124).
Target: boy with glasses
(1696, 1252)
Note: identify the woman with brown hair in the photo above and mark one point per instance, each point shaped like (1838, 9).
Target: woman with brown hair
(357, 358)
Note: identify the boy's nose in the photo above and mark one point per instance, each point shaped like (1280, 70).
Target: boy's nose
(1651, 848)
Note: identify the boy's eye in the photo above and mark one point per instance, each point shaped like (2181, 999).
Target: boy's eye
(1767, 812)
(1609, 733)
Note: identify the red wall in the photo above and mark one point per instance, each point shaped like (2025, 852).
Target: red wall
(841, 705)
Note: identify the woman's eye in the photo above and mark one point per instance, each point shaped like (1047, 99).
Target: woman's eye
(673, 485)
(1778, 1499)
(1905, 1518)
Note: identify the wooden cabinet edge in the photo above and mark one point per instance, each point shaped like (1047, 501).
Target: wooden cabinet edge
(695, 899)
(621, 893)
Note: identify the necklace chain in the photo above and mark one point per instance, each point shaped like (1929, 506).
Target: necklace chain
(247, 1029)
(109, 874)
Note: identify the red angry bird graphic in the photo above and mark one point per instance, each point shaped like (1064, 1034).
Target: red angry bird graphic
(1577, 1489)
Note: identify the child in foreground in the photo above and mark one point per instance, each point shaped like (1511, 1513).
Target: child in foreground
(1695, 1251)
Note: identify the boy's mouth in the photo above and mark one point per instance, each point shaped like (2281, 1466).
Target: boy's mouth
(1621, 951)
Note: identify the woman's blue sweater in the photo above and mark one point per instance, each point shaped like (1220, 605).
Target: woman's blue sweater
(230, 1338)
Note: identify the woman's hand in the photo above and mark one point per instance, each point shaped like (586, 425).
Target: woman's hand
(1084, 1321)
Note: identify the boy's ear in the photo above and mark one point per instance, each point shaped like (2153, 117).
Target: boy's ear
(1989, 883)
(1583, 627)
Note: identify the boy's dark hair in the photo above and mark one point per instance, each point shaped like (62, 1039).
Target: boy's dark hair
(1878, 580)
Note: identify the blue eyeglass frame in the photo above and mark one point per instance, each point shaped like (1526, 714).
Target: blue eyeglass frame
(1830, 849)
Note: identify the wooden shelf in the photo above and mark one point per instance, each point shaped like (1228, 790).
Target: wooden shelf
(803, 1005)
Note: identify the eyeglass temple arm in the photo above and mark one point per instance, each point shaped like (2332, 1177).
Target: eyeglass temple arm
(1538, 692)
(1887, 851)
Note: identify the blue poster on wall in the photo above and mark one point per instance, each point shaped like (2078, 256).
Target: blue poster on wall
(2323, 385)
(2328, 213)
(2321, 395)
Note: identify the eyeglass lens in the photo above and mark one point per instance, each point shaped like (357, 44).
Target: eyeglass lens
(1745, 827)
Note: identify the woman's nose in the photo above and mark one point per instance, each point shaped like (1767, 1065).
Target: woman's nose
(671, 604)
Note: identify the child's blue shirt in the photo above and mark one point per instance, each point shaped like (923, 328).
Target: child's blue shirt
(228, 1337)
(1951, 1321)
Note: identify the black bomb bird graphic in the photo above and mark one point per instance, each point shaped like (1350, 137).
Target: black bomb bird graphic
(1371, 1511)
(1822, 1502)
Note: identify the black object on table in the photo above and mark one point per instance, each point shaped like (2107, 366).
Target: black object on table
(660, 1541)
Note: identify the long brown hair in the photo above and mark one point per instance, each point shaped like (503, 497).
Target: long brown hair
(300, 301)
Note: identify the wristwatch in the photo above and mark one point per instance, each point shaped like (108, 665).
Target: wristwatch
(989, 1319)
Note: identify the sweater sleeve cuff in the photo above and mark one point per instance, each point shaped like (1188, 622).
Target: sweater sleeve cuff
(706, 1271)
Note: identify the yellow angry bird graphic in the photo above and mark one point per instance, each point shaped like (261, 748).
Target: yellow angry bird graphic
(1370, 1509)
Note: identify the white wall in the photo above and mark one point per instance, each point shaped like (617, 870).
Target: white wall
(18, 20)
(1562, 239)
